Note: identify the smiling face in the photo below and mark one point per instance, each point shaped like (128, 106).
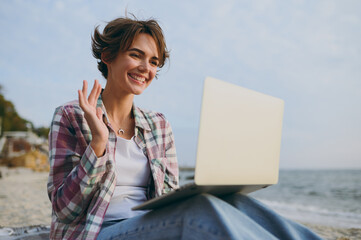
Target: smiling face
(132, 71)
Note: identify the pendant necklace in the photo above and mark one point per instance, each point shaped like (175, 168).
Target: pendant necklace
(120, 131)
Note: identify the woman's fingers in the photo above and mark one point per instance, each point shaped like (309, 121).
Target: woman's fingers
(88, 104)
(94, 116)
(80, 98)
(82, 95)
(98, 91)
(85, 88)
(93, 93)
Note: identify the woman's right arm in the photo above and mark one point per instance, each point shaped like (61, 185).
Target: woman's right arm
(75, 168)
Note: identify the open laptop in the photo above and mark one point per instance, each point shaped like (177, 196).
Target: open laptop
(239, 143)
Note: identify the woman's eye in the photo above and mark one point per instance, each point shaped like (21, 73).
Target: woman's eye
(134, 55)
(154, 63)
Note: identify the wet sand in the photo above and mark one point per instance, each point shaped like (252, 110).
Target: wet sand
(25, 208)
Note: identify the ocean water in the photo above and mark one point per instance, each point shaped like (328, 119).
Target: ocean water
(323, 197)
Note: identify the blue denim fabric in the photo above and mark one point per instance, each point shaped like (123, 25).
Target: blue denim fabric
(208, 217)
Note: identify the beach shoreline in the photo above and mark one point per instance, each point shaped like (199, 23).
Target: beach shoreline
(25, 209)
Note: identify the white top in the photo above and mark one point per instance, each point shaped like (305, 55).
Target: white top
(133, 172)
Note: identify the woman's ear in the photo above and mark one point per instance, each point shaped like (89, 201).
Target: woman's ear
(105, 57)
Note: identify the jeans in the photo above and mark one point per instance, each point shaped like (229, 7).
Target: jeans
(205, 216)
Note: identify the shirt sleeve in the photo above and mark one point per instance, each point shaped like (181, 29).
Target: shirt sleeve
(171, 179)
(75, 170)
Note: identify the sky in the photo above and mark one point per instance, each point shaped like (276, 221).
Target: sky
(307, 53)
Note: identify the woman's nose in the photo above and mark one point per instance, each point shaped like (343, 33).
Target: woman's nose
(144, 66)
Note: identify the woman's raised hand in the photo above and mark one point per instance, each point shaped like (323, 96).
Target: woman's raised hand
(94, 117)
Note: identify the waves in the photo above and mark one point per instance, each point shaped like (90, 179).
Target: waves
(324, 197)
(315, 214)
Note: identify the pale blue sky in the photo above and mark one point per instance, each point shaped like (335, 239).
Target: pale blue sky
(305, 52)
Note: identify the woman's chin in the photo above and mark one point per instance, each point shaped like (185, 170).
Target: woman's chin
(138, 91)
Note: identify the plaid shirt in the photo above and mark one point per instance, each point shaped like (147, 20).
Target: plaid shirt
(80, 184)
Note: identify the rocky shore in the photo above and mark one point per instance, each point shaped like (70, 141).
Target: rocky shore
(25, 210)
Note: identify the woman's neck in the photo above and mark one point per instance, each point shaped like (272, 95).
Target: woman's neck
(118, 106)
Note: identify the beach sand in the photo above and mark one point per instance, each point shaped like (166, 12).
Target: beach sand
(334, 233)
(23, 198)
(25, 208)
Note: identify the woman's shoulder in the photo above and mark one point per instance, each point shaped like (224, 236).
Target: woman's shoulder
(150, 113)
(68, 109)
(71, 105)
(149, 118)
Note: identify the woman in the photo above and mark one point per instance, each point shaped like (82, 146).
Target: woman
(108, 155)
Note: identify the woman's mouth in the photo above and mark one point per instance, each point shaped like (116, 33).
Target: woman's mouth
(137, 78)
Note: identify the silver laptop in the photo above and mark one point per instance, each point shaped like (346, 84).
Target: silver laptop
(239, 143)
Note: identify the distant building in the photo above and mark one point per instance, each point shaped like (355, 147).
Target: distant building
(24, 148)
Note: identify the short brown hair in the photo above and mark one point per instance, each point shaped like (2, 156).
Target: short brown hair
(119, 34)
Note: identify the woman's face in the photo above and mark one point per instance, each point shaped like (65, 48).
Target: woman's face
(133, 70)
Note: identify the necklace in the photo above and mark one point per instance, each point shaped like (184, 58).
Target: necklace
(120, 131)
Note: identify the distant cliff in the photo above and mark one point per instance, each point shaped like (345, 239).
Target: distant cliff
(21, 145)
(10, 120)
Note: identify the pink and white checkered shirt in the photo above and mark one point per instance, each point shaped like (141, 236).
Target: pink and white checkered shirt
(80, 184)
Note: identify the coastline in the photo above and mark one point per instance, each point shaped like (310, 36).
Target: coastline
(25, 209)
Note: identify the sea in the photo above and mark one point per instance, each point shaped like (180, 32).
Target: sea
(322, 197)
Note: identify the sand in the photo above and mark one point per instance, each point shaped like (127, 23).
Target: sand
(328, 232)
(25, 208)
(23, 198)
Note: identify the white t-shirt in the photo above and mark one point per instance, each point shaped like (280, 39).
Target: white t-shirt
(133, 172)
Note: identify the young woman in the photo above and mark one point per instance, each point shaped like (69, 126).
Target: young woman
(108, 155)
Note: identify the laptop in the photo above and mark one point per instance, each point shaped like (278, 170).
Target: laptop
(239, 143)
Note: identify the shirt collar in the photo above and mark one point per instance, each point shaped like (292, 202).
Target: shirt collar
(140, 120)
